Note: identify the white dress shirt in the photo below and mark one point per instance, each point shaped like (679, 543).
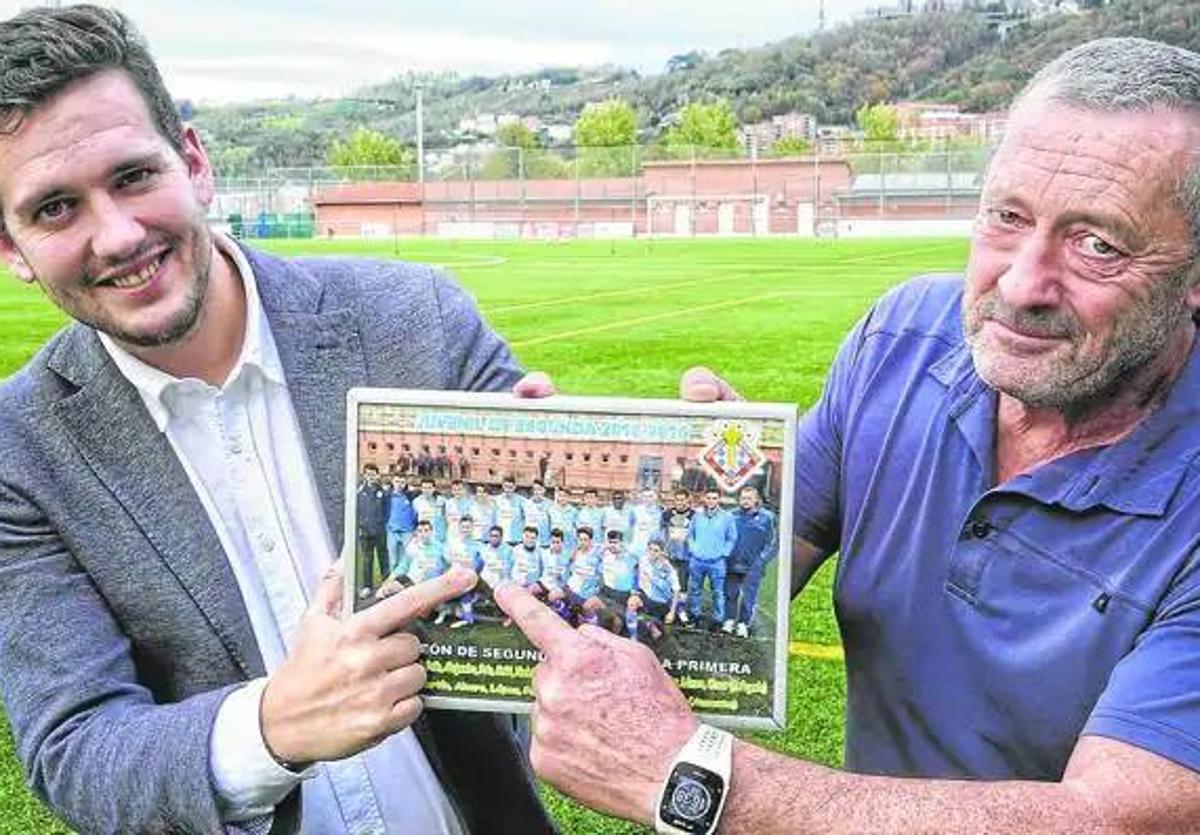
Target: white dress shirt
(241, 447)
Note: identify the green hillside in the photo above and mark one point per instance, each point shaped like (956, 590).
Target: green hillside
(960, 57)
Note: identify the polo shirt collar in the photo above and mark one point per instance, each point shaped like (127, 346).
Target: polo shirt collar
(1138, 475)
(158, 388)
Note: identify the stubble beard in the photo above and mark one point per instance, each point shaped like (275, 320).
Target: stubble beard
(1073, 384)
(182, 323)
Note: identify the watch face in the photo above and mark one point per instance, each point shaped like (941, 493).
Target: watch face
(692, 798)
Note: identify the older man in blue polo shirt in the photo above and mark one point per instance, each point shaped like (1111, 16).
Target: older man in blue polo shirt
(1009, 465)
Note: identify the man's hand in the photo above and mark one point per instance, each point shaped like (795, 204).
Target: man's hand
(607, 721)
(533, 385)
(349, 684)
(701, 385)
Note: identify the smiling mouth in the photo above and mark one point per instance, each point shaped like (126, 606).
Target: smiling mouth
(131, 281)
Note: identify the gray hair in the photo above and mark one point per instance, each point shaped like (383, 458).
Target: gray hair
(42, 50)
(1122, 74)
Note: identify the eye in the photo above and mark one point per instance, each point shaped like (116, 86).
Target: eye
(133, 177)
(1006, 217)
(1097, 247)
(53, 210)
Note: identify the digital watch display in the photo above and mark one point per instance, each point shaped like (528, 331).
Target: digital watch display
(694, 793)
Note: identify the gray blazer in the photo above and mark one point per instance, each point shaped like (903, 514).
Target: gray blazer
(121, 624)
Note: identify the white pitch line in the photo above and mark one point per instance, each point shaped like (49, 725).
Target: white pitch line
(477, 261)
(639, 291)
(657, 317)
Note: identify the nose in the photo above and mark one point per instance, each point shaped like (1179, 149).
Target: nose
(116, 233)
(1034, 275)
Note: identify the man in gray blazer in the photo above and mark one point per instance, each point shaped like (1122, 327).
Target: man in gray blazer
(172, 656)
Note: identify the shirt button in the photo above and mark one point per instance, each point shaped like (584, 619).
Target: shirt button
(268, 544)
(980, 529)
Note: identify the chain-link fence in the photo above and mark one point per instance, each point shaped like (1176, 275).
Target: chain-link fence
(622, 191)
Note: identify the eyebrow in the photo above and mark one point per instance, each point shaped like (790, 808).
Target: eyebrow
(1125, 231)
(1108, 221)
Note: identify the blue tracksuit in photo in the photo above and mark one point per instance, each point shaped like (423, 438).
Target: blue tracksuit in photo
(710, 541)
(754, 548)
(537, 513)
(401, 522)
(510, 516)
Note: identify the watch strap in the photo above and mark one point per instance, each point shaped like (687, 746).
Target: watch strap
(711, 749)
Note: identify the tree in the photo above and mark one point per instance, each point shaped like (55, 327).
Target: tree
(879, 122)
(518, 155)
(606, 124)
(705, 128)
(368, 147)
(604, 136)
(516, 135)
(790, 146)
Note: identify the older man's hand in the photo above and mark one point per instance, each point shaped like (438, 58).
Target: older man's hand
(607, 721)
(702, 385)
(351, 683)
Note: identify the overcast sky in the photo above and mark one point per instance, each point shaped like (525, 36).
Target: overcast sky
(224, 50)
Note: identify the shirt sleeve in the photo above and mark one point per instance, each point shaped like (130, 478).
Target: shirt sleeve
(817, 515)
(248, 780)
(1152, 699)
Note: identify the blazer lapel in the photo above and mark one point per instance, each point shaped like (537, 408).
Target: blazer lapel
(115, 435)
(322, 357)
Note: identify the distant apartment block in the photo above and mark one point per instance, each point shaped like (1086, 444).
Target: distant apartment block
(934, 121)
(483, 124)
(761, 136)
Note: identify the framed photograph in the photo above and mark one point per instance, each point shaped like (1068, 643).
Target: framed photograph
(665, 522)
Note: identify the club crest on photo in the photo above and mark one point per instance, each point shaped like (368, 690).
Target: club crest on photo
(732, 455)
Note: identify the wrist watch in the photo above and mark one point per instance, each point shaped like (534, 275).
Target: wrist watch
(694, 793)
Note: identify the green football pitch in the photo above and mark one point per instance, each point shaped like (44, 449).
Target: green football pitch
(625, 318)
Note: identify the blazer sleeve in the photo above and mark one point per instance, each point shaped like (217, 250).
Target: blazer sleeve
(93, 743)
(477, 358)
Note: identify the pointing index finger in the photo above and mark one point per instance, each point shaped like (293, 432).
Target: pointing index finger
(544, 629)
(395, 612)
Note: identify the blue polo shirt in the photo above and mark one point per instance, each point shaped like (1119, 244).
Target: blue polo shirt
(986, 626)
